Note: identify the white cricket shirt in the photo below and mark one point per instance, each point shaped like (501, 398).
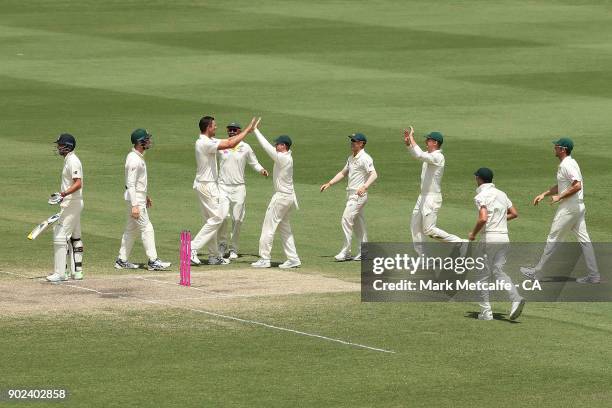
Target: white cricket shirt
(567, 173)
(206, 159)
(73, 169)
(282, 174)
(497, 204)
(359, 168)
(233, 161)
(135, 178)
(432, 170)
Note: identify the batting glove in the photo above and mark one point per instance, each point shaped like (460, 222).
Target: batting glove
(55, 198)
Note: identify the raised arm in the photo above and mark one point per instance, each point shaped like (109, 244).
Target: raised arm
(267, 146)
(416, 152)
(233, 141)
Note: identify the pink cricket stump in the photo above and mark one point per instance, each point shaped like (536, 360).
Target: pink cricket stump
(188, 258)
(185, 258)
(182, 257)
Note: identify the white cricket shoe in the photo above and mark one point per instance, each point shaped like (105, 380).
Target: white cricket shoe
(528, 272)
(233, 254)
(516, 309)
(217, 260)
(121, 264)
(77, 276)
(589, 279)
(485, 315)
(158, 265)
(262, 263)
(343, 256)
(290, 264)
(357, 257)
(194, 257)
(56, 277)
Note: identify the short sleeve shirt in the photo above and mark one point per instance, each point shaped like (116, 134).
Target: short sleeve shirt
(73, 169)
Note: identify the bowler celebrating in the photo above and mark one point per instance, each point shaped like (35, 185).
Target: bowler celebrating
(231, 184)
(138, 202)
(68, 227)
(212, 203)
(282, 203)
(494, 211)
(570, 216)
(425, 212)
(361, 174)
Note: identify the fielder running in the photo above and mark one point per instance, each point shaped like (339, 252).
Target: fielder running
(361, 174)
(138, 202)
(494, 211)
(570, 216)
(67, 244)
(282, 203)
(213, 204)
(425, 212)
(231, 184)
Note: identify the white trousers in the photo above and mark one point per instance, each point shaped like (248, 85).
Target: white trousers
(68, 225)
(495, 247)
(277, 217)
(236, 196)
(354, 221)
(423, 222)
(134, 227)
(214, 209)
(570, 217)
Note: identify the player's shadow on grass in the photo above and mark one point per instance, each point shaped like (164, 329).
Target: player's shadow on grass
(496, 316)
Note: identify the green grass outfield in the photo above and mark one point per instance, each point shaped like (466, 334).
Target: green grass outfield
(500, 79)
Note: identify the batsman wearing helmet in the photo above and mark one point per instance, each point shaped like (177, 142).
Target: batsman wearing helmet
(67, 244)
(138, 203)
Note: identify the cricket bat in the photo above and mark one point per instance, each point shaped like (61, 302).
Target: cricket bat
(40, 228)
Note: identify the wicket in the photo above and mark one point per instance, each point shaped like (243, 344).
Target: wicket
(185, 258)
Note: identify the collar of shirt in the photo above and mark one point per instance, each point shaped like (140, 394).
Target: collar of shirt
(358, 155)
(484, 186)
(68, 155)
(560, 163)
(141, 155)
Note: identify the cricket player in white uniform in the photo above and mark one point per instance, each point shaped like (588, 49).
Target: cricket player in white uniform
(494, 211)
(425, 212)
(361, 174)
(67, 244)
(570, 216)
(213, 204)
(282, 204)
(231, 184)
(138, 203)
